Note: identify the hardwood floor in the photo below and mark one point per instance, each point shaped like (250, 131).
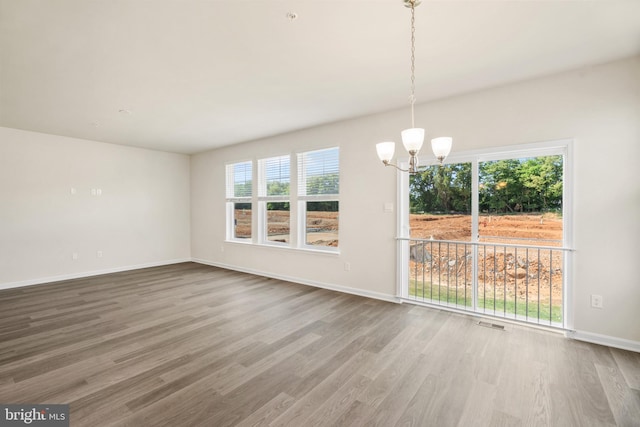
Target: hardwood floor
(189, 345)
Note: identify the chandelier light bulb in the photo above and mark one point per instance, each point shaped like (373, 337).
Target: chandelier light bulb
(386, 150)
(441, 146)
(412, 139)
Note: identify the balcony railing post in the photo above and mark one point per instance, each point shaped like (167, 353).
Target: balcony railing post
(474, 278)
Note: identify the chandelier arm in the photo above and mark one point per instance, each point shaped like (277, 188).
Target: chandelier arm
(388, 163)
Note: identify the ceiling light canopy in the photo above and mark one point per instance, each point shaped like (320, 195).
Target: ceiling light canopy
(413, 138)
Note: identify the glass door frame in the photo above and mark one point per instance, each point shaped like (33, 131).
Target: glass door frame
(563, 147)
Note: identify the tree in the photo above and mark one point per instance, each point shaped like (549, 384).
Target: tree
(505, 186)
(443, 188)
(278, 206)
(542, 179)
(242, 189)
(500, 186)
(323, 184)
(277, 188)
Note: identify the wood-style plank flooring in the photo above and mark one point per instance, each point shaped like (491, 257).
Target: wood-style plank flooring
(192, 345)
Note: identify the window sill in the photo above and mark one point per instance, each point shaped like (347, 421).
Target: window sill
(239, 241)
(309, 249)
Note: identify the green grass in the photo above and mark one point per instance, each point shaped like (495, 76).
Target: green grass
(440, 294)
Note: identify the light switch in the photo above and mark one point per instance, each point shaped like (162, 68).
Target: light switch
(388, 207)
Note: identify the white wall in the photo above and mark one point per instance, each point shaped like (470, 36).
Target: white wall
(599, 107)
(141, 218)
(366, 232)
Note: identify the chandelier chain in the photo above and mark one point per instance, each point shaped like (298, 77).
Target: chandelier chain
(412, 97)
(413, 138)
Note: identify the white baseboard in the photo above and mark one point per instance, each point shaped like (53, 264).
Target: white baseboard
(50, 279)
(332, 287)
(607, 340)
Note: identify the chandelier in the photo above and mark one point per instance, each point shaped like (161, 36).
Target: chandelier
(413, 138)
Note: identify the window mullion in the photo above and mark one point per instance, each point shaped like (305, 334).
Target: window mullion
(475, 234)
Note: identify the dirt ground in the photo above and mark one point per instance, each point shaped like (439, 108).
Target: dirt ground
(322, 227)
(529, 274)
(545, 229)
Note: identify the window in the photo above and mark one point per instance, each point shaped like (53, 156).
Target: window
(239, 193)
(305, 216)
(273, 196)
(489, 233)
(441, 194)
(318, 197)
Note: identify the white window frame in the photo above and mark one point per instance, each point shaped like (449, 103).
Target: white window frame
(232, 199)
(303, 198)
(264, 199)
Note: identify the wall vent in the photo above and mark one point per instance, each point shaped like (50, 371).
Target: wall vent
(491, 325)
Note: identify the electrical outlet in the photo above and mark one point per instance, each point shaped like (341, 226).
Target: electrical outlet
(596, 301)
(347, 266)
(99, 254)
(74, 255)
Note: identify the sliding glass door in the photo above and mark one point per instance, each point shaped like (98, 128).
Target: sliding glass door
(489, 234)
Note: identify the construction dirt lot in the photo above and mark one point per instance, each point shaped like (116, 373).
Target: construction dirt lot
(513, 259)
(545, 228)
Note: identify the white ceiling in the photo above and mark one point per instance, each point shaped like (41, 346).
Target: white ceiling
(192, 75)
